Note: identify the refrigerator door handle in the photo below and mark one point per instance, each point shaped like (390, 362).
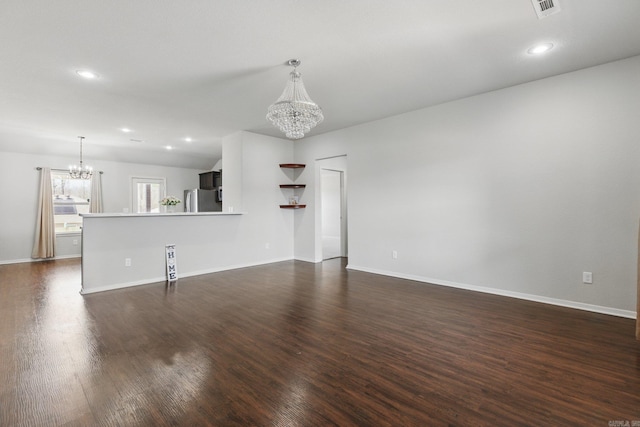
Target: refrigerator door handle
(187, 202)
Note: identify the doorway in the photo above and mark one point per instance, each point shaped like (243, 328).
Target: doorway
(146, 194)
(333, 213)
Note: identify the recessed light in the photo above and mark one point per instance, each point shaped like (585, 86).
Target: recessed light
(188, 139)
(125, 130)
(540, 48)
(89, 75)
(168, 147)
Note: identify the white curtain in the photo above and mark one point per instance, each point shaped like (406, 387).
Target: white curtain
(44, 244)
(95, 205)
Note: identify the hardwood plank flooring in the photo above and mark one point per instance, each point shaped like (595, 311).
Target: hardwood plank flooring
(300, 344)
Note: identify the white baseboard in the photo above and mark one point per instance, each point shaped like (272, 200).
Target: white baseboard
(180, 275)
(20, 261)
(307, 260)
(232, 267)
(122, 285)
(529, 297)
(68, 256)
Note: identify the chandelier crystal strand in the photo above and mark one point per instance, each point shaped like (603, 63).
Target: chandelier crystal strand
(80, 172)
(294, 113)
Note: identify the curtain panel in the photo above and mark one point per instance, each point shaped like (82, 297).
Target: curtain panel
(95, 205)
(44, 244)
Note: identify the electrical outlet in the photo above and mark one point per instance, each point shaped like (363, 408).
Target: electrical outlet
(587, 277)
(75, 242)
(267, 246)
(394, 254)
(127, 262)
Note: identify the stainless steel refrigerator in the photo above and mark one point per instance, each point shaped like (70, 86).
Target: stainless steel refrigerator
(198, 200)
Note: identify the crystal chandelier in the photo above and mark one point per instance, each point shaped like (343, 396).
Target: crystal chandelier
(80, 172)
(294, 113)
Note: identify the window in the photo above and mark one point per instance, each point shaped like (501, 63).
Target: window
(146, 194)
(70, 198)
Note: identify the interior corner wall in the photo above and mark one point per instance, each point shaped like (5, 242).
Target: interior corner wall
(20, 186)
(267, 230)
(519, 190)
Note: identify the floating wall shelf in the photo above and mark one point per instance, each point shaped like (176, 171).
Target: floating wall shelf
(293, 206)
(292, 165)
(292, 186)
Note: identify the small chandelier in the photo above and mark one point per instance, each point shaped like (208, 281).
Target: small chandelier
(294, 113)
(80, 172)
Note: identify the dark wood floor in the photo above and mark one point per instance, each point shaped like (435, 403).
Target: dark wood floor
(298, 344)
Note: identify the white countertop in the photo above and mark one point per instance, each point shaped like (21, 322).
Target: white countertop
(146, 215)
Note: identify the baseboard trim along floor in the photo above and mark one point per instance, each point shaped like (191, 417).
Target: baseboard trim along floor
(529, 297)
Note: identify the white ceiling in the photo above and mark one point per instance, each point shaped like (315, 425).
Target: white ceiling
(208, 68)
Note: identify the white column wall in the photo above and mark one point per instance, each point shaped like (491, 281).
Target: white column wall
(232, 172)
(261, 196)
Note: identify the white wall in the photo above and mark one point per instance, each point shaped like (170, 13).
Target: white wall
(516, 191)
(205, 242)
(20, 181)
(265, 223)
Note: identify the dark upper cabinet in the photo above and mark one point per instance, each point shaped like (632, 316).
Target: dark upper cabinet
(210, 180)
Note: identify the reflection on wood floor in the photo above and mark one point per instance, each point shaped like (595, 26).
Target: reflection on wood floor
(300, 344)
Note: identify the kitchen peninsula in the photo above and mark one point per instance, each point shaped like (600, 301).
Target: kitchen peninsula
(121, 250)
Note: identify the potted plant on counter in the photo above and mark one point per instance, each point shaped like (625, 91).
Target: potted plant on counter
(170, 203)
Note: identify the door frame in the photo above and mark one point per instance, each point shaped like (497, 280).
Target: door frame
(337, 163)
(133, 189)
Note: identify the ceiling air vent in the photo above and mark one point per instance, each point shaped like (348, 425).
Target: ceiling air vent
(545, 8)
